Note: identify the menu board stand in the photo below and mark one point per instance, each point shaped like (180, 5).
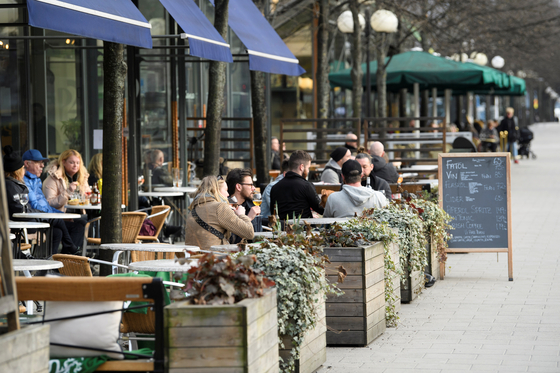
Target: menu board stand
(474, 189)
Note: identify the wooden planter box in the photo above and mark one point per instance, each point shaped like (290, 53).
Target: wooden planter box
(358, 316)
(433, 267)
(242, 337)
(395, 278)
(411, 287)
(25, 350)
(313, 351)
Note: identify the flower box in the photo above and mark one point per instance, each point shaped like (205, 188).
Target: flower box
(433, 267)
(241, 337)
(358, 316)
(412, 286)
(25, 350)
(313, 349)
(396, 278)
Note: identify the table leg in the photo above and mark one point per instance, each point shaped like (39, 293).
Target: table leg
(28, 303)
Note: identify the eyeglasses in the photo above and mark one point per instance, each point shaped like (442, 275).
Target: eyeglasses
(251, 184)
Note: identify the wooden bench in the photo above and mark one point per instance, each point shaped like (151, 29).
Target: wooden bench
(101, 289)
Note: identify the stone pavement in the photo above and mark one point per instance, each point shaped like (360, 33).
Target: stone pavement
(476, 320)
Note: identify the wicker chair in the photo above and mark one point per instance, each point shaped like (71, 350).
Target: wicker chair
(158, 217)
(74, 265)
(131, 225)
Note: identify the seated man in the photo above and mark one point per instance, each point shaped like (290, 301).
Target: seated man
(351, 142)
(160, 173)
(332, 173)
(294, 195)
(375, 182)
(383, 169)
(240, 185)
(265, 207)
(353, 198)
(70, 233)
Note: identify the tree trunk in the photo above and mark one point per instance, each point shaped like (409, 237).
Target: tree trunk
(322, 78)
(216, 89)
(114, 76)
(357, 73)
(260, 135)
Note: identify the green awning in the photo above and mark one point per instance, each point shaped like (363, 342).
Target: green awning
(430, 71)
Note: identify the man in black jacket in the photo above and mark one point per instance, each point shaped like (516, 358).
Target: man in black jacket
(384, 170)
(294, 195)
(509, 124)
(376, 182)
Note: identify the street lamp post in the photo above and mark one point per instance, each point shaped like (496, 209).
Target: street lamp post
(383, 22)
(497, 62)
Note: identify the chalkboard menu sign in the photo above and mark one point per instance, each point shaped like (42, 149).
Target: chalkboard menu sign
(474, 190)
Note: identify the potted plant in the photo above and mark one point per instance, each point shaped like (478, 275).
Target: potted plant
(296, 264)
(228, 322)
(412, 245)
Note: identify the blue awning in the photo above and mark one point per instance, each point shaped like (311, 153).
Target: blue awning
(204, 39)
(117, 21)
(267, 51)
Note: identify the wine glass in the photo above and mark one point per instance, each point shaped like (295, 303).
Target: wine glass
(257, 199)
(24, 199)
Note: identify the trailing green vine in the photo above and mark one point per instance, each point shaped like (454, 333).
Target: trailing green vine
(301, 284)
(435, 223)
(412, 241)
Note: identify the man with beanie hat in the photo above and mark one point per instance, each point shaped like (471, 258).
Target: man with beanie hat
(353, 198)
(333, 170)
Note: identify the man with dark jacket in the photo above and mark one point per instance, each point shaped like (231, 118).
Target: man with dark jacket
(294, 195)
(509, 124)
(368, 172)
(332, 174)
(384, 170)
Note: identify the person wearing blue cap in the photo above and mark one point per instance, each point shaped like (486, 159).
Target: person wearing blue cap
(34, 163)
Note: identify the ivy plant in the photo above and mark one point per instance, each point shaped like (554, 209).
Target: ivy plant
(435, 224)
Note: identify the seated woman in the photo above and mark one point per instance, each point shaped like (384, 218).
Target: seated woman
(212, 220)
(67, 174)
(13, 173)
(95, 169)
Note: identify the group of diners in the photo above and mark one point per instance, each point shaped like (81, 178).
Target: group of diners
(65, 176)
(213, 220)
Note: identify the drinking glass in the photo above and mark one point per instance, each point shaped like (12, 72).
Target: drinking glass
(24, 199)
(257, 199)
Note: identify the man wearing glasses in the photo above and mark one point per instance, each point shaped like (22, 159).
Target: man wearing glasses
(240, 185)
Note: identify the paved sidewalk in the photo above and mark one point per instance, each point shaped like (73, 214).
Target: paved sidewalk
(476, 320)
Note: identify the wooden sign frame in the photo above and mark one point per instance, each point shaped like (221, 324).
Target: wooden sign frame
(508, 249)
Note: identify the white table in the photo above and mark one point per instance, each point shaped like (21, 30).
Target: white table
(319, 221)
(231, 248)
(176, 189)
(27, 265)
(268, 234)
(163, 265)
(151, 247)
(87, 207)
(160, 194)
(27, 224)
(46, 215)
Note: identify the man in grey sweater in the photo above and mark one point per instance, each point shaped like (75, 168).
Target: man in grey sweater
(353, 198)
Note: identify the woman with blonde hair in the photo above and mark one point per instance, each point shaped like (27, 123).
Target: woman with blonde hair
(67, 175)
(95, 169)
(211, 220)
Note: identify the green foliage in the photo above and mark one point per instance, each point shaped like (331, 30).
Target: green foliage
(301, 284)
(221, 279)
(412, 241)
(435, 223)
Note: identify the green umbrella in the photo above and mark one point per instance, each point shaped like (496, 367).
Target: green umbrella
(429, 71)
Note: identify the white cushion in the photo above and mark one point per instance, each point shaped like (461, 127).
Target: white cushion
(99, 331)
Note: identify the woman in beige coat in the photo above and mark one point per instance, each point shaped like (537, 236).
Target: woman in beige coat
(211, 220)
(67, 174)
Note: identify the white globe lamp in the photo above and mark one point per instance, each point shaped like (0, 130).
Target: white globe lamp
(498, 62)
(384, 21)
(479, 58)
(345, 22)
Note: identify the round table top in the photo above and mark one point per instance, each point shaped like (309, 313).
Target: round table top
(176, 189)
(87, 207)
(230, 248)
(162, 265)
(47, 215)
(319, 221)
(268, 234)
(35, 264)
(160, 194)
(27, 224)
(151, 247)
